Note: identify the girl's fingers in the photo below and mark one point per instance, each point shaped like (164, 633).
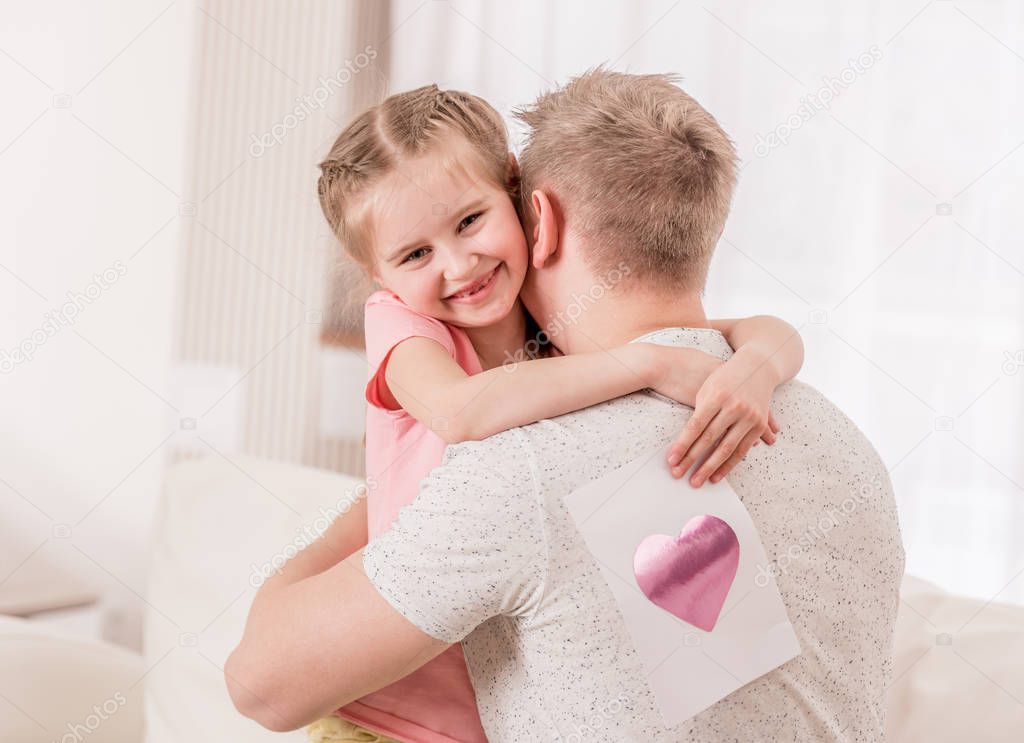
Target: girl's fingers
(737, 434)
(712, 432)
(694, 427)
(772, 423)
(749, 441)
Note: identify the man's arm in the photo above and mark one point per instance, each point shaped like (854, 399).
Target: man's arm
(467, 549)
(312, 646)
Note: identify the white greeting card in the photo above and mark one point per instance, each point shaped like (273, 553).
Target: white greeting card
(682, 563)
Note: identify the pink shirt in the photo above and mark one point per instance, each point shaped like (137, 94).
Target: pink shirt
(436, 703)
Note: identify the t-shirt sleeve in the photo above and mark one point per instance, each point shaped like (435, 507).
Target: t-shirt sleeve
(470, 547)
(387, 322)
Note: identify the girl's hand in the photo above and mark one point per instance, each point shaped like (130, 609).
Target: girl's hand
(732, 409)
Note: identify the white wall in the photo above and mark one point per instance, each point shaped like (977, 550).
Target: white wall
(91, 176)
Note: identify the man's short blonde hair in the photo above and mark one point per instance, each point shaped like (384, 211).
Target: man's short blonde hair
(640, 170)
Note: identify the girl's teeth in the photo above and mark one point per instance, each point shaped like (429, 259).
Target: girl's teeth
(471, 292)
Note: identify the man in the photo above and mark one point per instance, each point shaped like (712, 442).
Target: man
(619, 169)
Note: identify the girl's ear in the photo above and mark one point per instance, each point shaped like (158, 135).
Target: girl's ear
(545, 229)
(512, 171)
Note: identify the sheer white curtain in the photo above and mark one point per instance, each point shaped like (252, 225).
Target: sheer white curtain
(877, 211)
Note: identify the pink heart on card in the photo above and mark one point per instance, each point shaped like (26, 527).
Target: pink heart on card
(689, 576)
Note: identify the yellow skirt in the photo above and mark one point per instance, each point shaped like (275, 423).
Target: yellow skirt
(336, 730)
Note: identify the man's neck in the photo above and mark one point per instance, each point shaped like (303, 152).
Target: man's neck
(618, 319)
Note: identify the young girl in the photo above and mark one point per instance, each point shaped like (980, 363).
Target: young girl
(421, 191)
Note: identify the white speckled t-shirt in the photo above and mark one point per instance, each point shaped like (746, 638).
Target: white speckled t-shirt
(488, 554)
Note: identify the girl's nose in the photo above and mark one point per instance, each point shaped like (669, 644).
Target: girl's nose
(461, 265)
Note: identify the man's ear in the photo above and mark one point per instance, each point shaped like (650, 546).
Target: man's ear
(545, 229)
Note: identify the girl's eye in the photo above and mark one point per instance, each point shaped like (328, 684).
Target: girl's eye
(414, 255)
(467, 221)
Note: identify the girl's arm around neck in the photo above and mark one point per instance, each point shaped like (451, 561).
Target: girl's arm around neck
(767, 342)
(428, 383)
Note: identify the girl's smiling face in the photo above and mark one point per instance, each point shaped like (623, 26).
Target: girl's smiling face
(447, 241)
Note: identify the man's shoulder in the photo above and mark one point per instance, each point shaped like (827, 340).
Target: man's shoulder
(555, 455)
(498, 465)
(519, 446)
(810, 405)
(814, 424)
(534, 458)
(493, 449)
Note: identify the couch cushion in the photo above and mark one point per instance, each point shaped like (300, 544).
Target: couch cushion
(958, 673)
(220, 525)
(56, 687)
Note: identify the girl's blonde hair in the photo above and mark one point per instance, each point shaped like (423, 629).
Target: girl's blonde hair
(404, 126)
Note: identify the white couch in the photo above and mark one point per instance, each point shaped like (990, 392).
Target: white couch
(219, 519)
(58, 687)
